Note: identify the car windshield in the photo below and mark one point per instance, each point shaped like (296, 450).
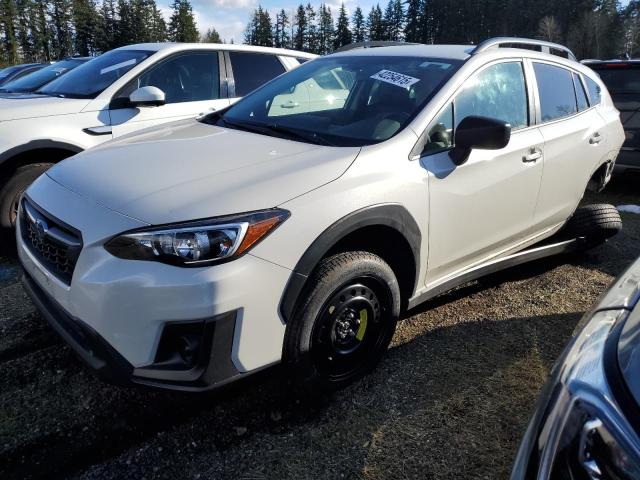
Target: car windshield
(41, 77)
(91, 78)
(623, 79)
(341, 100)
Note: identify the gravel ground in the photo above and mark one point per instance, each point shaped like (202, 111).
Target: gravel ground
(450, 400)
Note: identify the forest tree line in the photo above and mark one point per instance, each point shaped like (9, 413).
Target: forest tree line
(44, 30)
(591, 28)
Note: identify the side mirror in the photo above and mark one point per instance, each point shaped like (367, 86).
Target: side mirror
(479, 132)
(147, 97)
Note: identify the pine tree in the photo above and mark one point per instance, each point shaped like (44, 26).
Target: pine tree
(264, 35)
(301, 29)
(375, 25)
(42, 33)
(211, 36)
(84, 17)
(8, 16)
(60, 14)
(24, 30)
(359, 26)
(343, 34)
(326, 30)
(393, 21)
(106, 29)
(156, 26)
(413, 25)
(182, 25)
(281, 38)
(311, 44)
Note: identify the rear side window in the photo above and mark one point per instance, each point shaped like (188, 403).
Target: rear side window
(251, 70)
(594, 92)
(581, 96)
(556, 91)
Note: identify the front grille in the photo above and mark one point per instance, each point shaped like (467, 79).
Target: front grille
(55, 244)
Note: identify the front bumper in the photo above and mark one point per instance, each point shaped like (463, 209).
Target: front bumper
(129, 305)
(217, 368)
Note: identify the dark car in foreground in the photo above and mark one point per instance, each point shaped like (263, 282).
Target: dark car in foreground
(14, 72)
(587, 421)
(36, 79)
(622, 78)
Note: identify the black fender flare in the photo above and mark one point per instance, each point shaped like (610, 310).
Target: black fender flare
(391, 215)
(38, 145)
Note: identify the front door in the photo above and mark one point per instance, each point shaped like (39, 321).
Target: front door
(485, 205)
(190, 82)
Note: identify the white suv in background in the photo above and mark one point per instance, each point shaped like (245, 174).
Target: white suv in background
(198, 252)
(122, 91)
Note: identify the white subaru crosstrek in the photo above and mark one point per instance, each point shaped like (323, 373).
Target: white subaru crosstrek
(296, 225)
(124, 90)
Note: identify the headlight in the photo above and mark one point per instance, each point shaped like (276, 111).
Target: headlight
(197, 243)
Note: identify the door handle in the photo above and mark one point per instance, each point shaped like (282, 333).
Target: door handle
(290, 105)
(595, 139)
(532, 157)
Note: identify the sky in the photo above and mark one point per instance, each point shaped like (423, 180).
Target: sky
(230, 17)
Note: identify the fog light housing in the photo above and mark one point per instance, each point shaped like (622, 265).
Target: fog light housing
(181, 346)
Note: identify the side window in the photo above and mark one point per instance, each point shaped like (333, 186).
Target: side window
(594, 92)
(498, 92)
(251, 70)
(556, 91)
(583, 104)
(327, 90)
(440, 132)
(188, 77)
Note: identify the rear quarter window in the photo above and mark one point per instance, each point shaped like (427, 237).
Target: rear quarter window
(556, 91)
(581, 95)
(595, 93)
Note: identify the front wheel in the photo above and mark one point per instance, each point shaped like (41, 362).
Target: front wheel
(11, 192)
(344, 322)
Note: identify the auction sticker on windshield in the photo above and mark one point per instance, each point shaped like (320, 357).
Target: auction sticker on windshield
(395, 78)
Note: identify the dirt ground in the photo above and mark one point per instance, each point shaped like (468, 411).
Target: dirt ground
(450, 400)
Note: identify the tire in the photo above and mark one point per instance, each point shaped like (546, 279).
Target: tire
(344, 322)
(596, 223)
(11, 192)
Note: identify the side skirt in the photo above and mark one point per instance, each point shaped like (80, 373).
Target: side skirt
(497, 265)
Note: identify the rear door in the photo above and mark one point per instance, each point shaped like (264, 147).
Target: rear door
(191, 82)
(247, 71)
(574, 141)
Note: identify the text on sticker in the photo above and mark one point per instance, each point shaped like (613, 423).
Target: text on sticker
(395, 78)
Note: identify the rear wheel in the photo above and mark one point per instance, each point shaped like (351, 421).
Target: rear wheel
(12, 191)
(345, 322)
(596, 223)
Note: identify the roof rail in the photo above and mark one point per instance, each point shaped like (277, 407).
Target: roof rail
(516, 42)
(371, 44)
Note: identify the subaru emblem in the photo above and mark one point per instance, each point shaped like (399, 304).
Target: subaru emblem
(41, 228)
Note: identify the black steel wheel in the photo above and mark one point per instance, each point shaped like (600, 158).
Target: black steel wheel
(344, 321)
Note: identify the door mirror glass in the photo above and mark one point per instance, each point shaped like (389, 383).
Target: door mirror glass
(479, 132)
(147, 97)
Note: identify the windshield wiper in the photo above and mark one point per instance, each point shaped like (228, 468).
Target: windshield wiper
(269, 129)
(301, 135)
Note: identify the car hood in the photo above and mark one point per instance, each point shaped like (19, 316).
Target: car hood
(189, 170)
(31, 105)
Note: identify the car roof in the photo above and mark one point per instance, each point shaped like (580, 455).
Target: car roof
(217, 46)
(456, 52)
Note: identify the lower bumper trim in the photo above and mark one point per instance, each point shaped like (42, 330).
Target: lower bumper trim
(215, 369)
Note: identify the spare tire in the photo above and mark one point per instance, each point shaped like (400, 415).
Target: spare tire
(595, 223)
